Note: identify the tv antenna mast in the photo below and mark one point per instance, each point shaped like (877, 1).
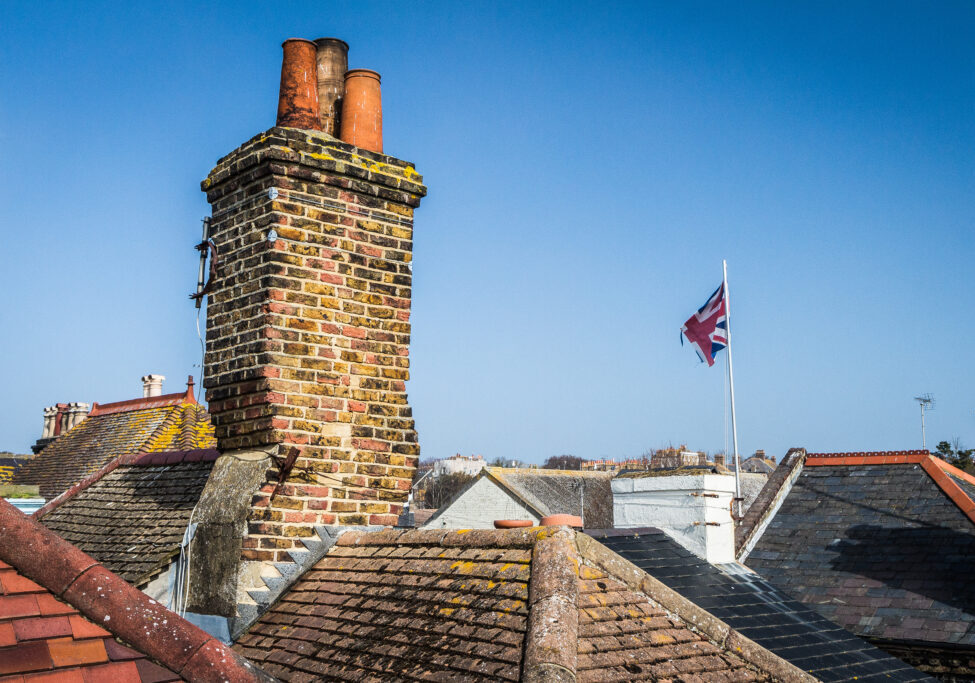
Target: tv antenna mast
(927, 403)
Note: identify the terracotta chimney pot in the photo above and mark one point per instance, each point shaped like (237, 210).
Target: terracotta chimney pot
(333, 62)
(512, 523)
(562, 520)
(362, 110)
(298, 100)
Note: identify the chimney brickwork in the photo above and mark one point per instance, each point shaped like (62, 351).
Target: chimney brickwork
(308, 330)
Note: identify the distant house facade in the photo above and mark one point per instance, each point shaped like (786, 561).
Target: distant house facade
(528, 494)
(459, 464)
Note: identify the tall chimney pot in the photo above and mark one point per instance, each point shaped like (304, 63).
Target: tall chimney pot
(362, 110)
(298, 98)
(152, 385)
(333, 62)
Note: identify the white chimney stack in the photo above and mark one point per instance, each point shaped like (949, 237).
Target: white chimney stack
(694, 510)
(152, 385)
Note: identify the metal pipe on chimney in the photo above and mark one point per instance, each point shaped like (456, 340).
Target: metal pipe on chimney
(333, 62)
(362, 110)
(298, 97)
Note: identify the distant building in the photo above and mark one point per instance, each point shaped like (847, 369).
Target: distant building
(880, 543)
(459, 464)
(528, 494)
(759, 463)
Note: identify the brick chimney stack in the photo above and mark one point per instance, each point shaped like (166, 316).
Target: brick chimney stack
(308, 321)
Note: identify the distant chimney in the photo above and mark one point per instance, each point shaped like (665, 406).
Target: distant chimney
(362, 110)
(333, 62)
(719, 459)
(152, 385)
(298, 97)
(58, 420)
(694, 510)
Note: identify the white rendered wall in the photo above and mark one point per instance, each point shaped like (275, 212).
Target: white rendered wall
(479, 507)
(702, 523)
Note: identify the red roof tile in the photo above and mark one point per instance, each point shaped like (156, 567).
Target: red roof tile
(61, 612)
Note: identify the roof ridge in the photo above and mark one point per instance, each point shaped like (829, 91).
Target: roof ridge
(502, 538)
(133, 404)
(77, 579)
(867, 453)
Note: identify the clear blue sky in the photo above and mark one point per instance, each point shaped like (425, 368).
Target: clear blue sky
(589, 166)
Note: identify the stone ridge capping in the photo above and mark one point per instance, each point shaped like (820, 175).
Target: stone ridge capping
(939, 470)
(551, 639)
(129, 460)
(305, 147)
(727, 638)
(106, 599)
(771, 493)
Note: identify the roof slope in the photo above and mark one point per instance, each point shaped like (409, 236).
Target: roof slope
(572, 492)
(63, 613)
(132, 518)
(878, 543)
(493, 605)
(162, 423)
(10, 463)
(39, 633)
(759, 611)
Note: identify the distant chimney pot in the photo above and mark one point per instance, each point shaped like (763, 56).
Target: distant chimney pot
(298, 97)
(333, 62)
(152, 385)
(362, 110)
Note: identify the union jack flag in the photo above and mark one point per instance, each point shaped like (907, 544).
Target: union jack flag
(706, 330)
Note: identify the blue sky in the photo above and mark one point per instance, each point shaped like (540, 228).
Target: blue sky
(589, 165)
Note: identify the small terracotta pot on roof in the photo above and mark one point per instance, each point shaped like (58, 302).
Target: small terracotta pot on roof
(562, 520)
(512, 523)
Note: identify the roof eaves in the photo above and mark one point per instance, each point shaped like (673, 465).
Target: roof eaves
(939, 470)
(106, 599)
(727, 638)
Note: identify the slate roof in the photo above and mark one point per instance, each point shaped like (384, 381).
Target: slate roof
(64, 617)
(879, 543)
(162, 423)
(493, 605)
(131, 517)
(759, 611)
(551, 492)
(10, 463)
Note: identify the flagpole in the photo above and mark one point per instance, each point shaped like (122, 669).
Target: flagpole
(731, 383)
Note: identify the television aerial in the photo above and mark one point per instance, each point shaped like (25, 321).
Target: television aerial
(927, 403)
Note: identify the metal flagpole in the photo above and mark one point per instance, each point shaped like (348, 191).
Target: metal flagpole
(731, 383)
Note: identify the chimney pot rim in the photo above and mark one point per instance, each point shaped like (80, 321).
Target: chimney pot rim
(369, 73)
(321, 42)
(298, 40)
